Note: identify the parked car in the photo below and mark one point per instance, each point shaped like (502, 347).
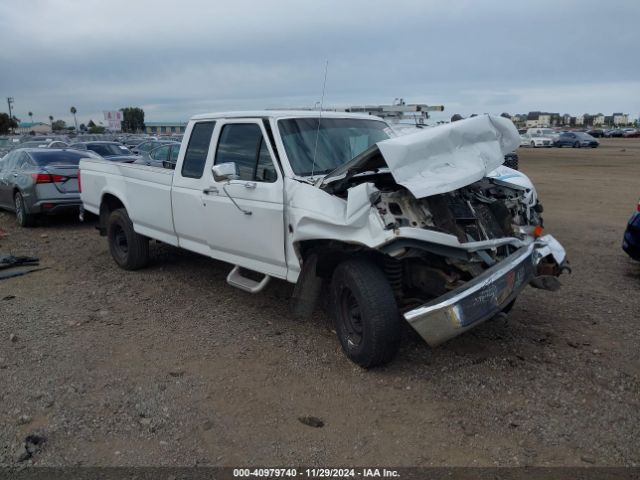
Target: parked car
(40, 181)
(149, 145)
(164, 156)
(631, 240)
(409, 227)
(631, 133)
(535, 141)
(543, 132)
(113, 151)
(614, 133)
(576, 140)
(42, 144)
(596, 132)
(132, 142)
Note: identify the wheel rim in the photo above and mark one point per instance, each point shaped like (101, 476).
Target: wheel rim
(351, 317)
(120, 241)
(19, 208)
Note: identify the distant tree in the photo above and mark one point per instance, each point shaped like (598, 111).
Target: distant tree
(91, 124)
(51, 119)
(6, 123)
(505, 115)
(83, 127)
(31, 117)
(58, 125)
(73, 112)
(132, 119)
(96, 129)
(456, 116)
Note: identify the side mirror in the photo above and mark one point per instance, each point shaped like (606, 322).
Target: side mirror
(225, 172)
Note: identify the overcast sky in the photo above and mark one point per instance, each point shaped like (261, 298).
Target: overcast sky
(179, 58)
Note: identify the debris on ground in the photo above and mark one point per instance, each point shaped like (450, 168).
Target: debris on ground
(32, 444)
(314, 422)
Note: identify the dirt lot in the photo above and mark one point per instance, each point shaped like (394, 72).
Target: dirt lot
(171, 366)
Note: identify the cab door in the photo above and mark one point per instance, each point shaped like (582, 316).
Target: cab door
(189, 180)
(244, 218)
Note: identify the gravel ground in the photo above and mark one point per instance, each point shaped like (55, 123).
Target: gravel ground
(171, 366)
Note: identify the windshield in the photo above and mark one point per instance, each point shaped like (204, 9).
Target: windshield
(336, 142)
(108, 149)
(584, 136)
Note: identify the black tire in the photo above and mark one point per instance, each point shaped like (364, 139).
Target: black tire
(509, 306)
(23, 218)
(511, 162)
(533, 144)
(129, 249)
(576, 145)
(365, 311)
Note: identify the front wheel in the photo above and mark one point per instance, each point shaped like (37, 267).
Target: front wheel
(533, 144)
(129, 249)
(576, 145)
(366, 315)
(23, 218)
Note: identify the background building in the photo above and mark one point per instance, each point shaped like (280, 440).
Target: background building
(164, 127)
(39, 128)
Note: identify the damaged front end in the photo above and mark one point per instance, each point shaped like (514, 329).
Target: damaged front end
(448, 288)
(460, 244)
(489, 293)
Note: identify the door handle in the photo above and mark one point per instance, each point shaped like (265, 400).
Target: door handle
(250, 185)
(209, 190)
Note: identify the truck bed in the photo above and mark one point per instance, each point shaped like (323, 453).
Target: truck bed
(144, 190)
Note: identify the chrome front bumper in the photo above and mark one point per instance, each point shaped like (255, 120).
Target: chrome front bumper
(483, 297)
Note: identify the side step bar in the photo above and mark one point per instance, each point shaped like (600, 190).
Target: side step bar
(235, 279)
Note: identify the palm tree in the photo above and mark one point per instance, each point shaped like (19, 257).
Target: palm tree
(31, 117)
(75, 120)
(51, 120)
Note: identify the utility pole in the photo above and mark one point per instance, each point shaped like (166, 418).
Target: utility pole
(9, 103)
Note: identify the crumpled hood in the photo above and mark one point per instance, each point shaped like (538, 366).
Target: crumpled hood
(440, 159)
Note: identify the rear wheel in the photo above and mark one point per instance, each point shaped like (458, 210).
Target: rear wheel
(576, 145)
(533, 144)
(129, 249)
(24, 219)
(366, 315)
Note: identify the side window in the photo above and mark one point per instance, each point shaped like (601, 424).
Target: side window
(196, 155)
(7, 164)
(175, 150)
(243, 144)
(23, 162)
(265, 170)
(160, 153)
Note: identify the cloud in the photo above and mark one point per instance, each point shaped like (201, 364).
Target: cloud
(176, 60)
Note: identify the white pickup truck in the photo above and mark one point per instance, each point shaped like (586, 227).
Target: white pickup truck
(417, 227)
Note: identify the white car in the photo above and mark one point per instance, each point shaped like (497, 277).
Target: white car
(426, 228)
(536, 141)
(544, 132)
